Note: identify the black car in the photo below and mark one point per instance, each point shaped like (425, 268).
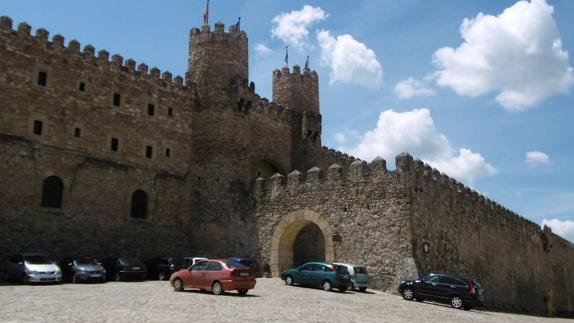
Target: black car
(247, 262)
(459, 292)
(162, 268)
(78, 269)
(124, 268)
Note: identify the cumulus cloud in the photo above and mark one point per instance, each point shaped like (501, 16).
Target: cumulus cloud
(262, 50)
(517, 54)
(410, 87)
(563, 228)
(415, 132)
(293, 27)
(349, 60)
(340, 137)
(537, 158)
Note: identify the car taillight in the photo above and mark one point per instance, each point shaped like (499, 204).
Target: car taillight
(471, 289)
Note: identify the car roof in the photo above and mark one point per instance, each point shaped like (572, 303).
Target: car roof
(317, 263)
(447, 274)
(346, 264)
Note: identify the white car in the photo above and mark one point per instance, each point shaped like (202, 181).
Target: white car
(359, 276)
(32, 268)
(190, 261)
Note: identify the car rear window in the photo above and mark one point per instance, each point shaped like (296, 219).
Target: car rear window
(360, 270)
(234, 264)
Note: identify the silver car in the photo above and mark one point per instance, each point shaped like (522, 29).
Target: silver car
(32, 268)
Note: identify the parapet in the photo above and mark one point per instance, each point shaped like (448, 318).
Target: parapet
(57, 45)
(205, 33)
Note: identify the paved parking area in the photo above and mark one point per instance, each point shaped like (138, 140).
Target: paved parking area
(270, 301)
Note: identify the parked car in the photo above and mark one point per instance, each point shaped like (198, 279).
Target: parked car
(78, 269)
(32, 268)
(162, 268)
(190, 261)
(247, 262)
(459, 292)
(319, 274)
(214, 275)
(124, 268)
(359, 276)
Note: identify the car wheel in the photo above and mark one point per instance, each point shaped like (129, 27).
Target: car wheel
(288, 280)
(178, 285)
(408, 294)
(363, 289)
(217, 288)
(456, 302)
(327, 285)
(242, 291)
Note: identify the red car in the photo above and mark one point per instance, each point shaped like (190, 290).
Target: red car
(215, 275)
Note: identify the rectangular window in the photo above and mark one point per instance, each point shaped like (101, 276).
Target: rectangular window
(42, 78)
(148, 151)
(115, 144)
(167, 152)
(117, 100)
(77, 132)
(82, 87)
(170, 112)
(150, 109)
(38, 127)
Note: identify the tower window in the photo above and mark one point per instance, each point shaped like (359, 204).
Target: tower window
(117, 100)
(38, 127)
(139, 205)
(52, 190)
(82, 87)
(168, 152)
(148, 151)
(170, 112)
(150, 109)
(42, 78)
(77, 132)
(115, 143)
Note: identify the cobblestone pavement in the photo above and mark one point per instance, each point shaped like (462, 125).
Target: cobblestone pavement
(270, 301)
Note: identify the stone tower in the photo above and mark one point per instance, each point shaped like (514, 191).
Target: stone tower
(216, 59)
(295, 90)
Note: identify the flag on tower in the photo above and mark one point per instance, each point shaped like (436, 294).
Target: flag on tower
(307, 63)
(238, 24)
(286, 55)
(206, 14)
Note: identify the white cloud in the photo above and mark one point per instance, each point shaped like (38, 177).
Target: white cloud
(292, 27)
(340, 138)
(517, 54)
(262, 50)
(410, 87)
(350, 60)
(563, 228)
(415, 132)
(537, 158)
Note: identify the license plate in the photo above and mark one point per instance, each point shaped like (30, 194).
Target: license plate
(136, 268)
(243, 274)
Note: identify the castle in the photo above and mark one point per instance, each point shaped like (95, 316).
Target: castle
(100, 156)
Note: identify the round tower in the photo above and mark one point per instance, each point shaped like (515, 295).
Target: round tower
(216, 58)
(296, 90)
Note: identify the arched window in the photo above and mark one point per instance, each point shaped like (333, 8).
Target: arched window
(52, 192)
(139, 205)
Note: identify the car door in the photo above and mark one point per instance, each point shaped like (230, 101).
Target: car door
(449, 286)
(316, 275)
(304, 274)
(197, 275)
(213, 272)
(429, 286)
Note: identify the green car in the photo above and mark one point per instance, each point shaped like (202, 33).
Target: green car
(319, 274)
(359, 276)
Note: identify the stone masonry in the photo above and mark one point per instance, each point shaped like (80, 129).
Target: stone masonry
(102, 156)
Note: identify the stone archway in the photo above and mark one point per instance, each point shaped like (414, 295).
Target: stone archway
(286, 232)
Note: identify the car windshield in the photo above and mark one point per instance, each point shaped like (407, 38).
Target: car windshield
(234, 264)
(85, 262)
(37, 260)
(360, 270)
(129, 261)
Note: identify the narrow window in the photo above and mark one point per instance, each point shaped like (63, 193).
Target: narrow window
(170, 112)
(52, 192)
(148, 151)
(77, 132)
(167, 152)
(42, 78)
(150, 109)
(139, 205)
(115, 144)
(117, 100)
(38, 127)
(82, 87)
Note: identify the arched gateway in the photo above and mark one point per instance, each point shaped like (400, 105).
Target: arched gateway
(285, 234)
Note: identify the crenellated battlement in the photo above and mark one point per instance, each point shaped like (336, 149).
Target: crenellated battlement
(204, 33)
(22, 36)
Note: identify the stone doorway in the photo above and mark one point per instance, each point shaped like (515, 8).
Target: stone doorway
(290, 237)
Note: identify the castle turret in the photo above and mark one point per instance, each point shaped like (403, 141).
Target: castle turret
(216, 58)
(297, 90)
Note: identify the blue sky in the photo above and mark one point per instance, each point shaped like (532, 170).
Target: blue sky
(387, 83)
